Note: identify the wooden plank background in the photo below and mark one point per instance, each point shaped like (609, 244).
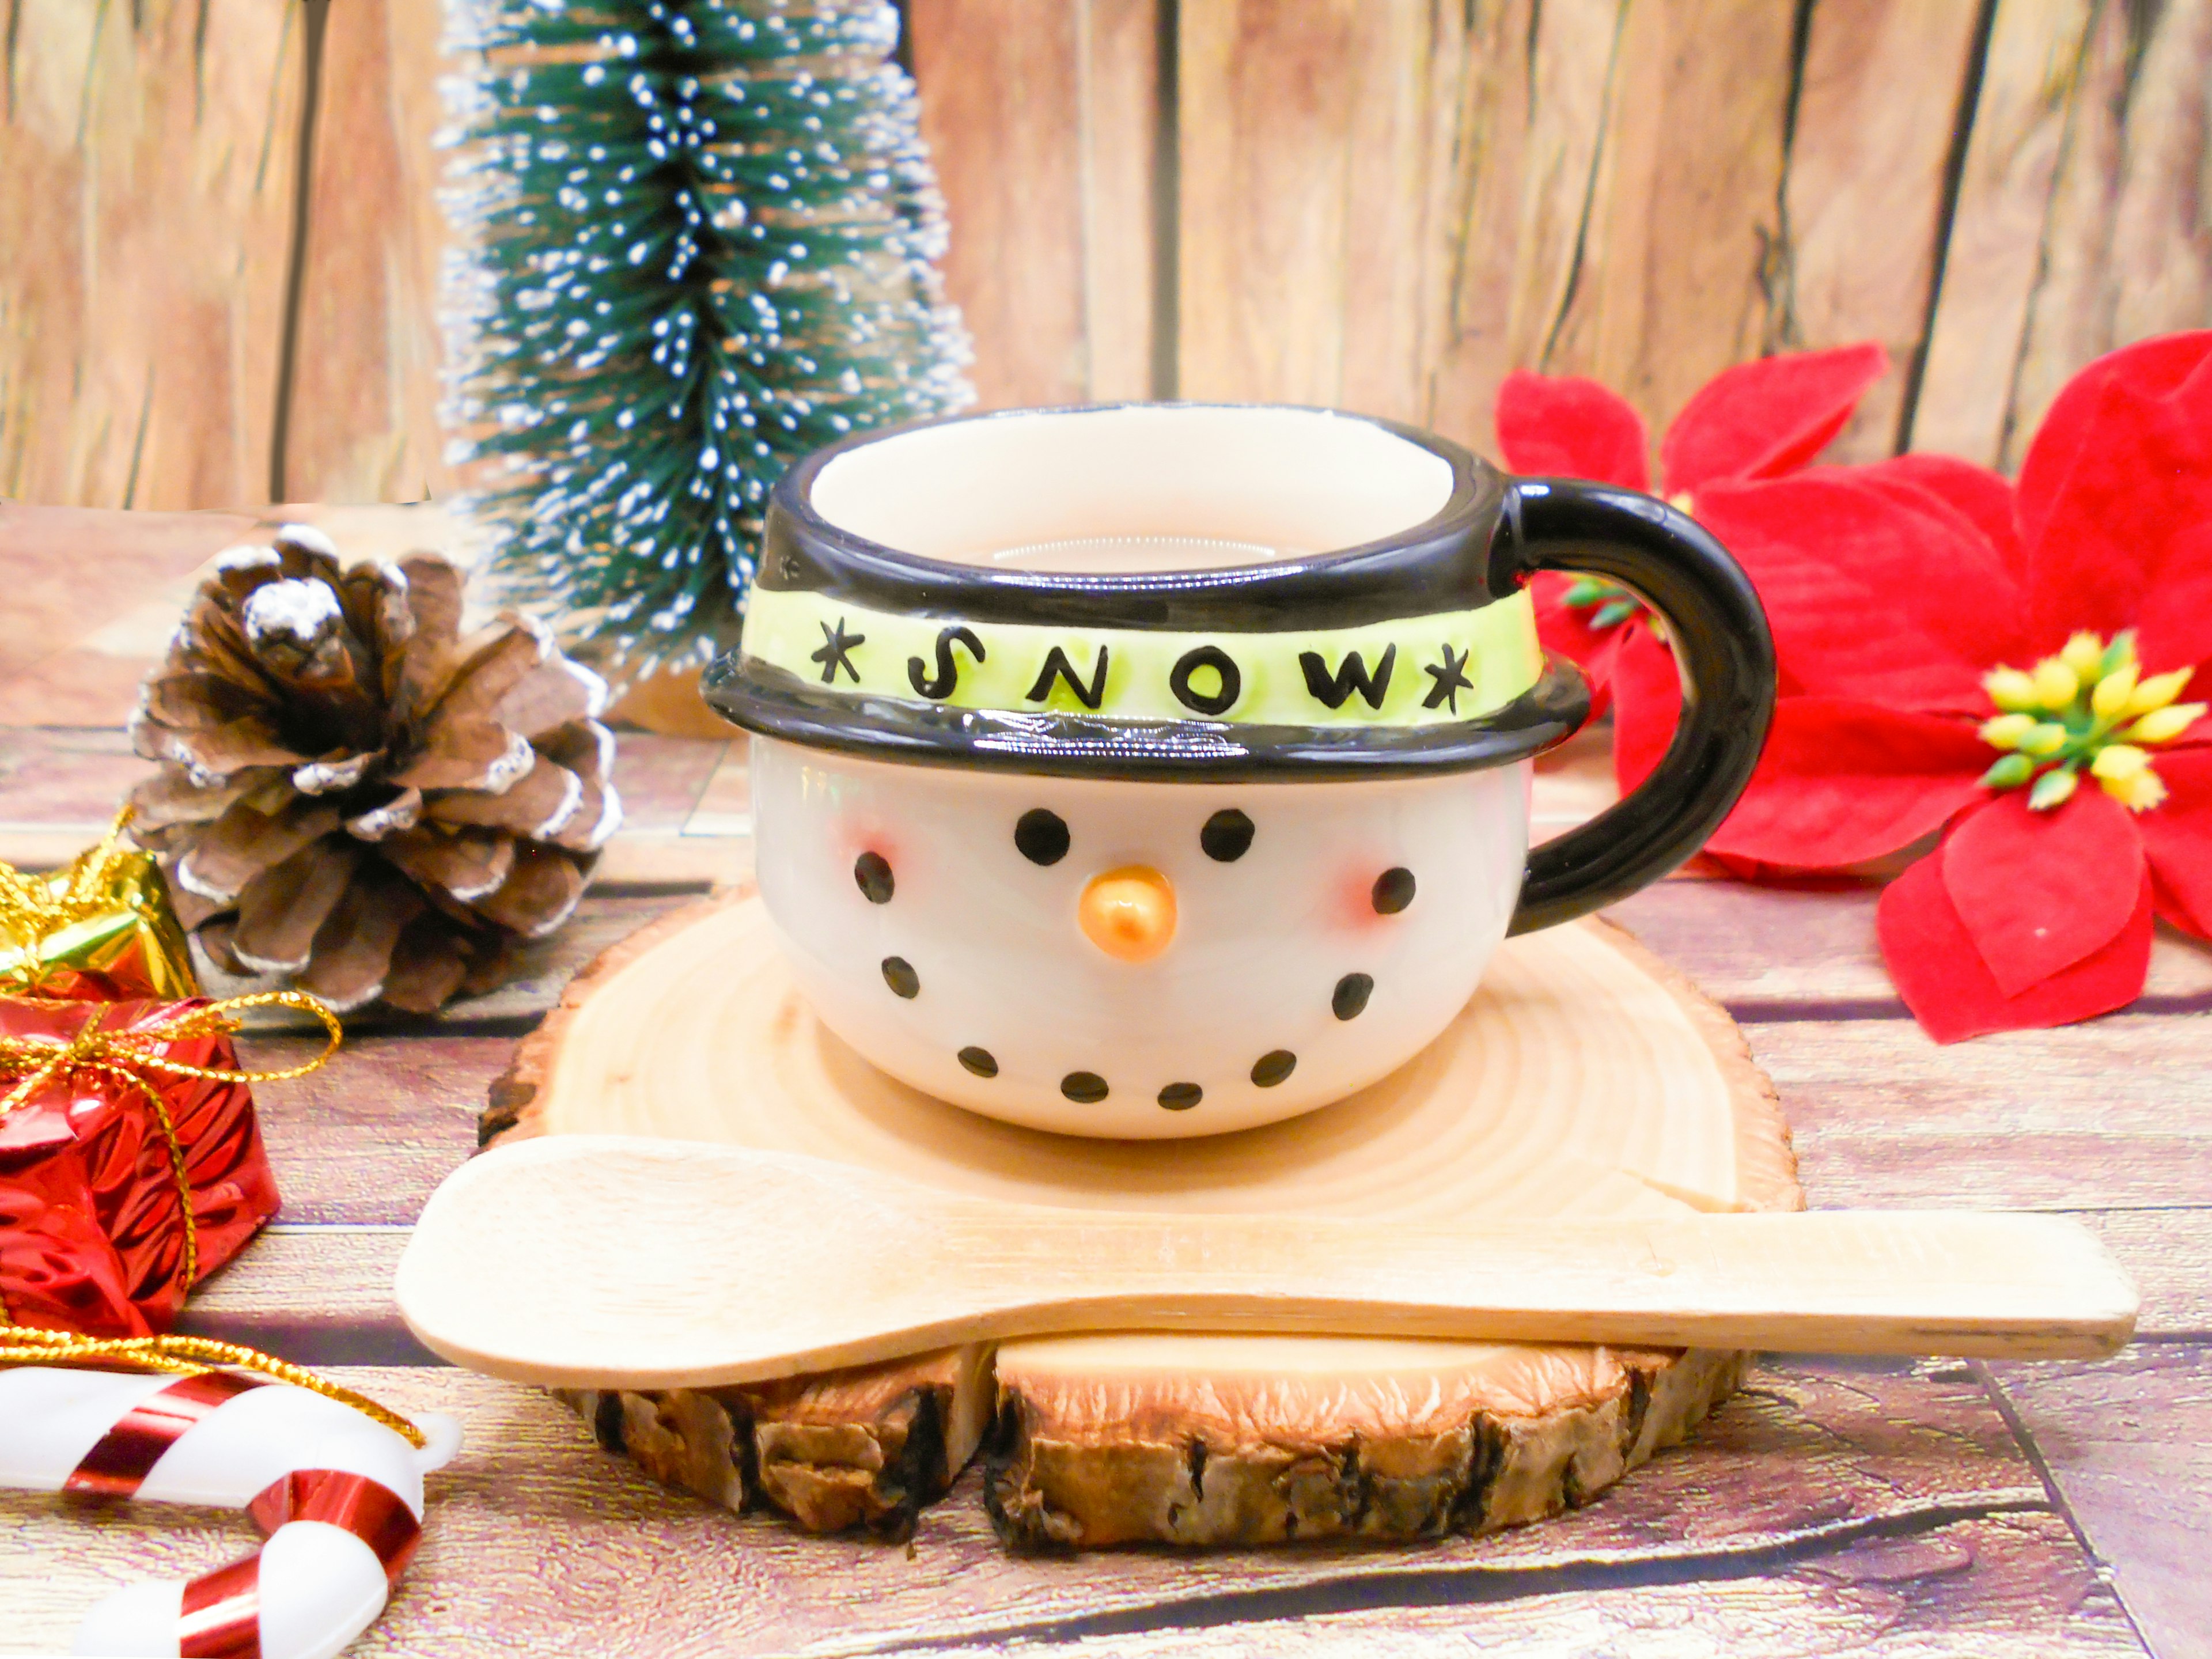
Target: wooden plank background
(222, 240)
(1877, 1510)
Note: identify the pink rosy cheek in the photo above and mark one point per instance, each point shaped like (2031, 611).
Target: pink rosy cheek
(854, 836)
(1352, 897)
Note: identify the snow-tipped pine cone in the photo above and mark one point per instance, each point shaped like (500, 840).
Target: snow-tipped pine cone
(354, 795)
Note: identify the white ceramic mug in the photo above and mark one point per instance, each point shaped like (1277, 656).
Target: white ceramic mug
(1161, 770)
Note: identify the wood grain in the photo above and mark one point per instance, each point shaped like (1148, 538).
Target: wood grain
(367, 1138)
(1665, 1114)
(1318, 154)
(530, 1263)
(587, 1070)
(2031, 77)
(2005, 1584)
(2112, 1114)
(1880, 95)
(1808, 949)
(59, 662)
(2127, 248)
(332, 1282)
(1674, 277)
(1119, 85)
(1000, 107)
(1266, 103)
(2128, 1443)
(535, 1537)
(146, 188)
(1516, 149)
(363, 420)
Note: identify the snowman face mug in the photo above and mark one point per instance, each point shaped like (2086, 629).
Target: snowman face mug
(1162, 770)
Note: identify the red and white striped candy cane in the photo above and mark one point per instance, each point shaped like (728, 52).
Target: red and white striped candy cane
(338, 1494)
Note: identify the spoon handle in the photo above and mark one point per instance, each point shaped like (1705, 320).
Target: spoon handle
(604, 1261)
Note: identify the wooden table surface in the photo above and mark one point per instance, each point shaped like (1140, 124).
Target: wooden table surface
(1832, 1507)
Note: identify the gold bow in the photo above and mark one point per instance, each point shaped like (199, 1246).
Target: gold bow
(127, 1056)
(89, 914)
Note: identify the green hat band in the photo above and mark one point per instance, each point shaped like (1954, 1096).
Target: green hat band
(1437, 669)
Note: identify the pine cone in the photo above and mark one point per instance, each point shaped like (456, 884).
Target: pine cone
(353, 794)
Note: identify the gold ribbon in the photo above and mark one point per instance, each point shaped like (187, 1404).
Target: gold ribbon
(186, 1356)
(84, 889)
(126, 1056)
(107, 882)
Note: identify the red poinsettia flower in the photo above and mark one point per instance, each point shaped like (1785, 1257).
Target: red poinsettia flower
(2006, 666)
(1758, 420)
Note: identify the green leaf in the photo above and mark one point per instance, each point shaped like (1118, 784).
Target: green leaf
(1619, 611)
(2122, 647)
(2052, 789)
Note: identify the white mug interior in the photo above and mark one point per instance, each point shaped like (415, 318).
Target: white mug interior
(1143, 488)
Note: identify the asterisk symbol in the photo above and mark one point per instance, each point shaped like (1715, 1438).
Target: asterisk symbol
(836, 651)
(1450, 677)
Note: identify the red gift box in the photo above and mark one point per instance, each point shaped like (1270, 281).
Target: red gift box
(93, 1229)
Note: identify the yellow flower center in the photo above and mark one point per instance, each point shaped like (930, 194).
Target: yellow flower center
(2089, 709)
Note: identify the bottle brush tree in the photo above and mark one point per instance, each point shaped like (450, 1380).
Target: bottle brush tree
(697, 240)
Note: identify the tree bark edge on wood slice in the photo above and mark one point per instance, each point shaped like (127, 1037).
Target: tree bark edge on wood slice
(1088, 1441)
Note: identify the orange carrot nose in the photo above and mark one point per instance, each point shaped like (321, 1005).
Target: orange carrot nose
(1129, 913)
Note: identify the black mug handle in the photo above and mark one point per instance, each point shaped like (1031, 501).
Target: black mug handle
(1722, 648)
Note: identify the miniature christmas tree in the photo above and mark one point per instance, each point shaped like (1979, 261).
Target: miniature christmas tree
(697, 242)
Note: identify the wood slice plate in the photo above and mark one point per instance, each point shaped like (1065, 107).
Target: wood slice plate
(1585, 1078)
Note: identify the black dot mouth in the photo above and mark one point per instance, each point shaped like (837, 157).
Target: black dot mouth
(982, 1061)
(1350, 998)
(899, 975)
(1181, 1096)
(1273, 1066)
(1083, 1088)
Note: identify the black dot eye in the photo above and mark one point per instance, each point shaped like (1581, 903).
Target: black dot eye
(1351, 993)
(1227, 835)
(982, 1061)
(1273, 1066)
(1393, 890)
(899, 975)
(1083, 1088)
(873, 872)
(1041, 836)
(1181, 1096)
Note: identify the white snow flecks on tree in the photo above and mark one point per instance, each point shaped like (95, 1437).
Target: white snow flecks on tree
(697, 239)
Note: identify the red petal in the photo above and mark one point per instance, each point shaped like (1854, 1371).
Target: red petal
(1842, 567)
(2175, 630)
(1562, 426)
(1647, 700)
(2038, 892)
(2111, 550)
(2177, 838)
(1761, 419)
(1565, 629)
(1947, 985)
(2155, 367)
(1841, 782)
(1983, 497)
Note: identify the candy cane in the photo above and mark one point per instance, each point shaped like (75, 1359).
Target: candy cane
(339, 1496)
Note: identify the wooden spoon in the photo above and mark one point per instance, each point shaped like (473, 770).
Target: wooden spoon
(613, 1262)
